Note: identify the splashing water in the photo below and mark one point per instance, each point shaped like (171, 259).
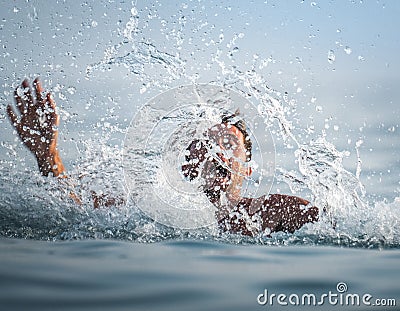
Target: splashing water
(43, 212)
(140, 54)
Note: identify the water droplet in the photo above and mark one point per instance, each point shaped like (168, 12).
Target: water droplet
(318, 108)
(16, 10)
(348, 50)
(331, 56)
(143, 89)
(134, 11)
(94, 24)
(20, 92)
(361, 58)
(262, 109)
(58, 87)
(71, 90)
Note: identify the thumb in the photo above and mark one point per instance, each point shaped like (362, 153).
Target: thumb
(13, 118)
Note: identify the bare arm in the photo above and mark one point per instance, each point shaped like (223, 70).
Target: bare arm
(37, 126)
(287, 213)
(276, 212)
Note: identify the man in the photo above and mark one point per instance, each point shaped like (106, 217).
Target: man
(219, 161)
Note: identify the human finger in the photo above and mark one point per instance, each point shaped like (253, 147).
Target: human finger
(20, 103)
(38, 89)
(13, 118)
(54, 118)
(27, 94)
(301, 201)
(12, 115)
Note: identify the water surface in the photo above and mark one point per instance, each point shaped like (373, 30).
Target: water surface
(182, 275)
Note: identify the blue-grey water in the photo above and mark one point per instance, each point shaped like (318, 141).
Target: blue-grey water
(323, 77)
(186, 275)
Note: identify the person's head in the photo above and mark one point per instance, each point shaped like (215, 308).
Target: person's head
(221, 158)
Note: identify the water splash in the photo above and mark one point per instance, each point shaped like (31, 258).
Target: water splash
(44, 210)
(141, 56)
(331, 57)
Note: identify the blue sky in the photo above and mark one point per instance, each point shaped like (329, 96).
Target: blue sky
(58, 40)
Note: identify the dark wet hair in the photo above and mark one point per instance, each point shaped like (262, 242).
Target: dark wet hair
(197, 150)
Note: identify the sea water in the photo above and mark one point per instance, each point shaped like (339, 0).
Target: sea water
(188, 274)
(56, 255)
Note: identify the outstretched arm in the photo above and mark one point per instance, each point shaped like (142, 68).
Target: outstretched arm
(273, 213)
(37, 126)
(287, 213)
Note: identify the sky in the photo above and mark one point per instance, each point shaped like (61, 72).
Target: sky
(59, 39)
(338, 60)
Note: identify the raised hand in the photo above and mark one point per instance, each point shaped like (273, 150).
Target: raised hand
(37, 126)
